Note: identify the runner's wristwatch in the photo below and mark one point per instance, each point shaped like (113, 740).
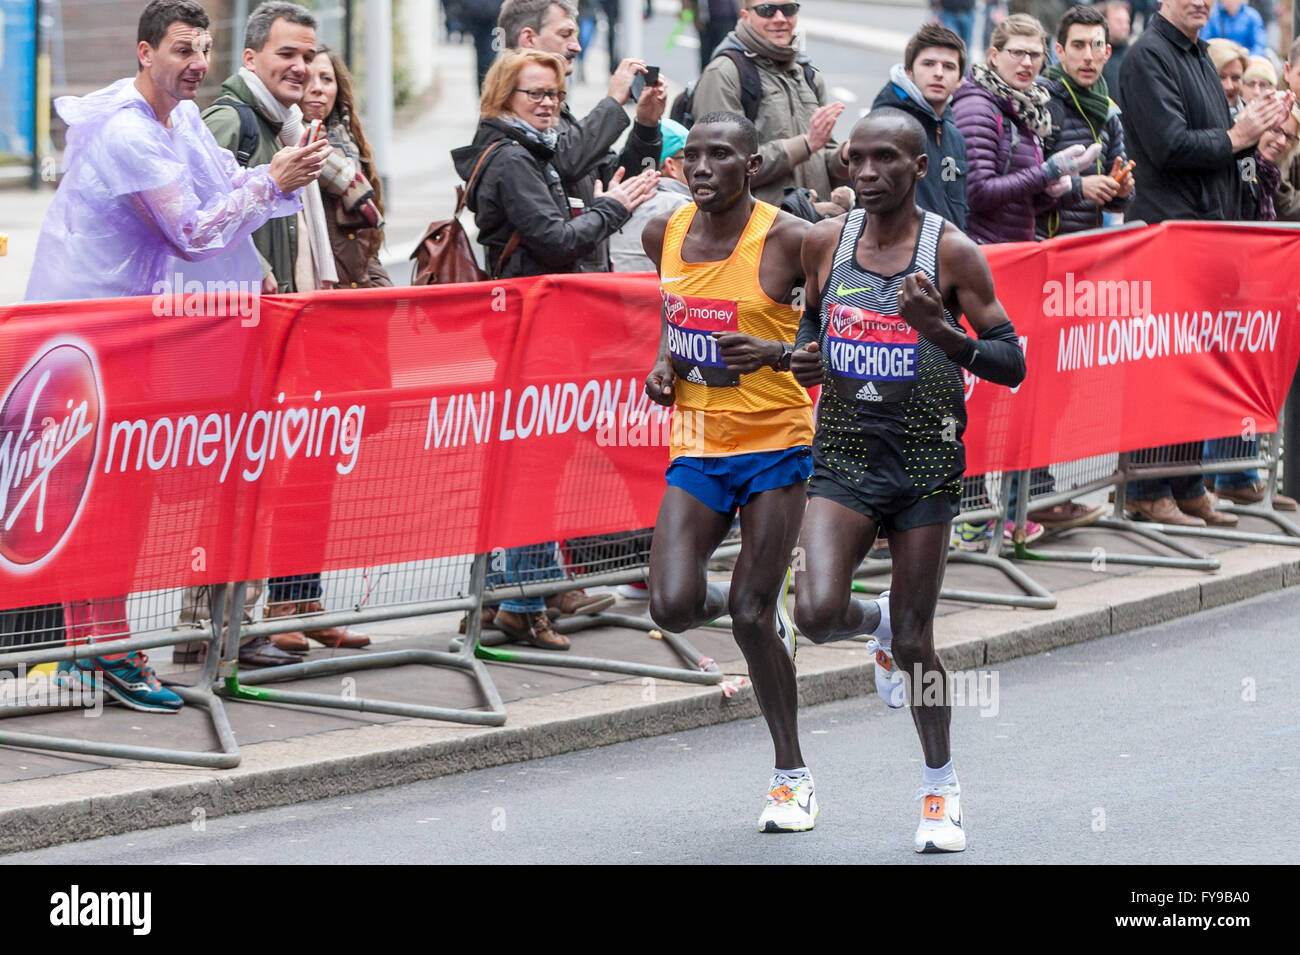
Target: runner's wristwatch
(783, 363)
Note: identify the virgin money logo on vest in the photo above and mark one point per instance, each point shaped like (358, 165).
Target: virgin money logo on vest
(674, 308)
(846, 321)
(49, 439)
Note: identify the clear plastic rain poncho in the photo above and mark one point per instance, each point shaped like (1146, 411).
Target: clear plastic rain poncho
(140, 203)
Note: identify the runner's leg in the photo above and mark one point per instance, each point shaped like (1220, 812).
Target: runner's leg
(920, 555)
(834, 541)
(687, 531)
(769, 527)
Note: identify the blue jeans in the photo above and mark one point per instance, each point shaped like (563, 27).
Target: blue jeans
(962, 24)
(525, 565)
(295, 589)
(1184, 488)
(1040, 482)
(1220, 449)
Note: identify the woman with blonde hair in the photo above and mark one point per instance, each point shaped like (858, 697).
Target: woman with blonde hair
(1230, 62)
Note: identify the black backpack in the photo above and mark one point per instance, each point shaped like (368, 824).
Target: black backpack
(249, 136)
(751, 88)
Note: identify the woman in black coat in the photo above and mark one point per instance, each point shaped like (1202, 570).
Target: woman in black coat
(517, 189)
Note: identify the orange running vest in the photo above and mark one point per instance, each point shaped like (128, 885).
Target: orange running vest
(734, 414)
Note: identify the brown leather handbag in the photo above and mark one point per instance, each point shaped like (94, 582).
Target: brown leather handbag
(445, 255)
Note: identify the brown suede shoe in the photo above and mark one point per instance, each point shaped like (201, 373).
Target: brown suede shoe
(485, 619)
(579, 602)
(1254, 494)
(534, 628)
(335, 637)
(1203, 507)
(1161, 511)
(1064, 516)
(293, 641)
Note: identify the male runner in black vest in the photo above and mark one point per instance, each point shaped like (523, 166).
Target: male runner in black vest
(885, 344)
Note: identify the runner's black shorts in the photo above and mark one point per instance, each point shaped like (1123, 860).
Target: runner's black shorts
(908, 508)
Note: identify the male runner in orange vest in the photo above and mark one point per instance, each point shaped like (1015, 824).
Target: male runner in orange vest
(729, 268)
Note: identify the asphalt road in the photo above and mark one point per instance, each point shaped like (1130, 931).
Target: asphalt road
(1173, 744)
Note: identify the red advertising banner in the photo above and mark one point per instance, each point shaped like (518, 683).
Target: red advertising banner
(211, 436)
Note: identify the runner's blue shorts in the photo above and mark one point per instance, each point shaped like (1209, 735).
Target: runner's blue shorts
(726, 483)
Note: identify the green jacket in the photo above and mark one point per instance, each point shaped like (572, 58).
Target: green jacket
(277, 241)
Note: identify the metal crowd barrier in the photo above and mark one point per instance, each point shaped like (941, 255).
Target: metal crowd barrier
(1223, 456)
(1071, 479)
(603, 560)
(384, 593)
(1216, 456)
(149, 617)
(984, 498)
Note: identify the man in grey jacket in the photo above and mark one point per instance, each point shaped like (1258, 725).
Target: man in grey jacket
(794, 120)
(583, 151)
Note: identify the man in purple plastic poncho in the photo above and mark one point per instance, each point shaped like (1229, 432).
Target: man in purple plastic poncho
(147, 193)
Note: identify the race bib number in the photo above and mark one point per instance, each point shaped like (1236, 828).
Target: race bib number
(872, 357)
(691, 324)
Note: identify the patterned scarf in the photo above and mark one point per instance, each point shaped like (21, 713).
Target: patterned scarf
(343, 174)
(1030, 106)
(1270, 177)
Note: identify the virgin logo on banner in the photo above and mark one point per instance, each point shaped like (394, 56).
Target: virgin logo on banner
(354, 429)
(49, 443)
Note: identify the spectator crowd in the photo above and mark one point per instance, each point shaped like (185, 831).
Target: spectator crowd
(1070, 121)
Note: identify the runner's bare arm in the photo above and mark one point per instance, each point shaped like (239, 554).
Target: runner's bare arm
(815, 255)
(968, 289)
(780, 274)
(659, 383)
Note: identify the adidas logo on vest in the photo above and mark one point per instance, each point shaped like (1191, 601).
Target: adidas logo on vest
(695, 376)
(868, 392)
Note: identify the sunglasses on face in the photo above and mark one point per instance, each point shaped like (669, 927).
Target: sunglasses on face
(538, 96)
(769, 10)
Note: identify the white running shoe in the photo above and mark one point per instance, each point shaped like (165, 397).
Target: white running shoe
(636, 591)
(889, 678)
(791, 805)
(941, 821)
(784, 625)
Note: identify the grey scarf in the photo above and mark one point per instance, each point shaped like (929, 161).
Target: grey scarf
(549, 138)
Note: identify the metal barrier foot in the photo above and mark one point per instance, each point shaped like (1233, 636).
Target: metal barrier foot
(702, 669)
(1290, 536)
(250, 687)
(1034, 595)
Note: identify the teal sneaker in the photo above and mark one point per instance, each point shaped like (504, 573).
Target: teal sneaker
(131, 681)
(972, 537)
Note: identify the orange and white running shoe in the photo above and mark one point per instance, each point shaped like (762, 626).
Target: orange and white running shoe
(941, 821)
(791, 805)
(889, 678)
